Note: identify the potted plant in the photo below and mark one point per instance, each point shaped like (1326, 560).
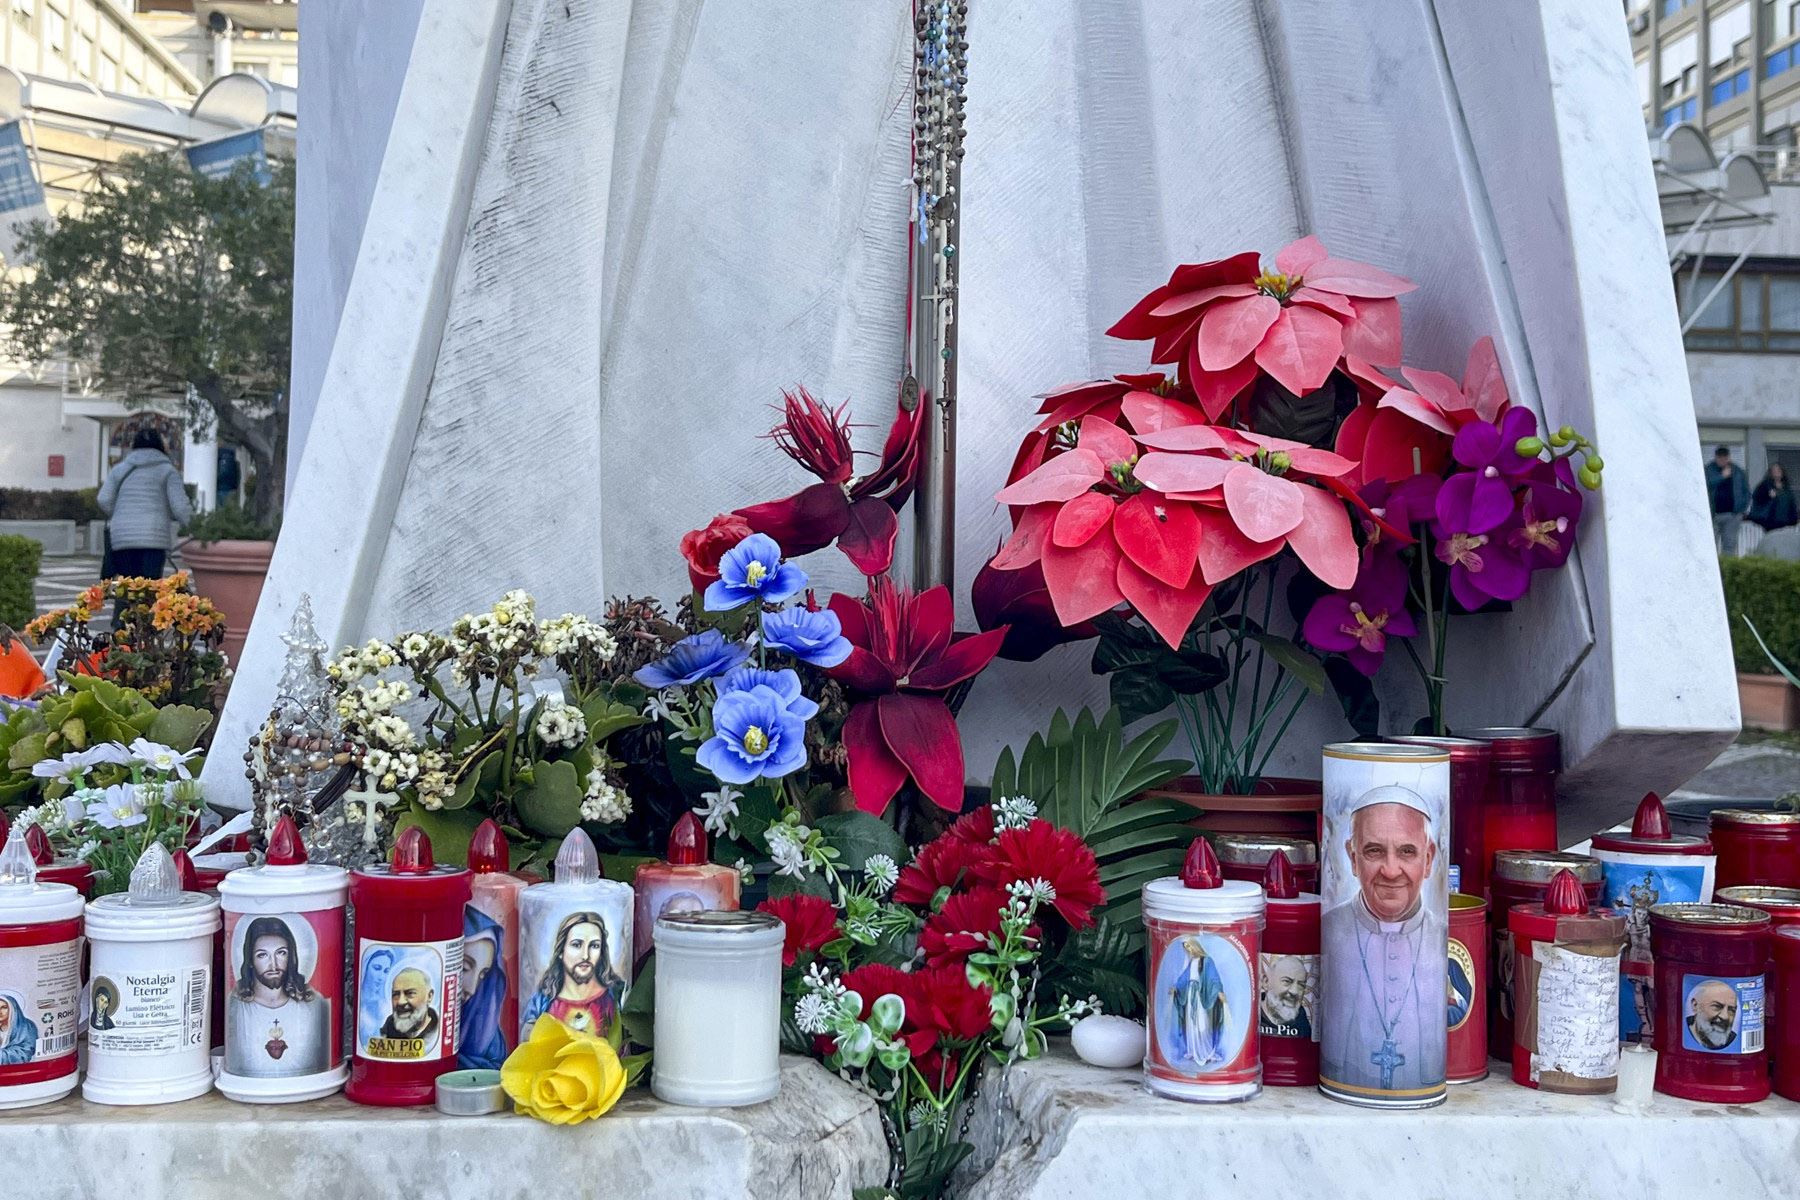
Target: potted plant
(228, 552)
(1762, 603)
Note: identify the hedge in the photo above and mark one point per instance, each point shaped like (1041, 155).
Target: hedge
(34, 504)
(19, 558)
(1767, 590)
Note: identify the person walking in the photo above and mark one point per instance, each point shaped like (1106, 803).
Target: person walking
(1772, 504)
(141, 497)
(1730, 495)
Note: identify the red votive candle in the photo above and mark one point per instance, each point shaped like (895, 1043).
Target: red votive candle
(1565, 973)
(488, 987)
(1520, 808)
(1288, 1006)
(684, 882)
(1783, 907)
(1521, 877)
(409, 946)
(1471, 764)
(1758, 847)
(1710, 1002)
(51, 869)
(1246, 856)
(1785, 1019)
(1466, 1060)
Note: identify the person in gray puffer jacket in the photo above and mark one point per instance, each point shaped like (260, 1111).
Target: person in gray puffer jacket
(141, 496)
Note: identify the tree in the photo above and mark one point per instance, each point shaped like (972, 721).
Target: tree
(166, 284)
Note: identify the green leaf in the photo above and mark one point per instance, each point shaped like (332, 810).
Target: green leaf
(28, 751)
(1356, 696)
(859, 836)
(1295, 661)
(480, 780)
(809, 884)
(1770, 654)
(886, 1014)
(178, 726)
(607, 717)
(639, 1014)
(635, 1065)
(551, 805)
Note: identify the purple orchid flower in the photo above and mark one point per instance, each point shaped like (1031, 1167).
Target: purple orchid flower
(1542, 532)
(1480, 498)
(1358, 623)
(1482, 566)
(1401, 505)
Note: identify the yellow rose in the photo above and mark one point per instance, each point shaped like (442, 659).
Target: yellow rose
(563, 1076)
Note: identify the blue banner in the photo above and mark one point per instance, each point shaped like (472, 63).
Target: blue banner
(221, 157)
(21, 195)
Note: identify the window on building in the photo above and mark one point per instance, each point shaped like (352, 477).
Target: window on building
(1755, 311)
(1671, 7)
(1728, 35)
(106, 74)
(55, 28)
(1679, 112)
(1731, 86)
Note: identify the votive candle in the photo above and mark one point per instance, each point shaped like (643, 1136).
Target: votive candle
(718, 1008)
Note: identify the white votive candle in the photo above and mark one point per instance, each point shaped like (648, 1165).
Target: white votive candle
(718, 1008)
(1637, 1078)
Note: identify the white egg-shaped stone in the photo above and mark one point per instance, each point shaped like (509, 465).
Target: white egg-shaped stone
(1104, 1040)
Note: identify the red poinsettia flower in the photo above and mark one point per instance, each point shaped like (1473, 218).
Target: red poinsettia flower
(1059, 857)
(1159, 516)
(810, 922)
(857, 514)
(1103, 398)
(948, 861)
(963, 925)
(1228, 321)
(1397, 432)
(905, 657)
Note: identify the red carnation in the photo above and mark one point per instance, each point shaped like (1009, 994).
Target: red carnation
(872, 981)
(976, 827)
(949, 1005)
(1057, 856)
(963, 926)
(704, 547)
(943, 863)
(810, 923)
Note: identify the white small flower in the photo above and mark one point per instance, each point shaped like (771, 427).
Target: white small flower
(603, 803)
(86, 850)
(561, 724)
(811, 1012)
(746, 873)
(1014, 812)
(657, 706)
(121, 808)
(720, 810)
(882, 873)
(1036, 889)
(392, 731)
(787, 848)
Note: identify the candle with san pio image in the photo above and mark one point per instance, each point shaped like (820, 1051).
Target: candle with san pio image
(1711, 1001)
(1288, 1015)
(1385, 883)
(408, 963)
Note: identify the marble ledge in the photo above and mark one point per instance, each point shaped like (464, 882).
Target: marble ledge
(1074, 1131)
(819, 1138)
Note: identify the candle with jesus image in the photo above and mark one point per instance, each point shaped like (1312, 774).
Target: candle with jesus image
(576, 943)
(1385, 942)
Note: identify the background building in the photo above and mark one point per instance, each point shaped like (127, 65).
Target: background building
(90, 82)
(1730, 69)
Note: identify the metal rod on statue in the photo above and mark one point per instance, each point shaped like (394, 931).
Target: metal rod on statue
(940, 73)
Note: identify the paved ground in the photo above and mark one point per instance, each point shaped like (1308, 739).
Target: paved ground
(60, 580)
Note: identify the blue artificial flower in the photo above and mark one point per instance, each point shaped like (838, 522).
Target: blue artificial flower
(752, 570)
(693, 659)
(754, 737)
(812, 637)
(785, 683)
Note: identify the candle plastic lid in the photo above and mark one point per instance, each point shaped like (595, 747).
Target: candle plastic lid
(1541, 866)
(22, 898)
(1461, 749)
(577, 861)
(1566, 897)
(1650, 833)
(1279, 881)
(488, 851)
(1202, 891)
(154, 902)
(285, 847)
(1755, 816)
(739, 930)
(1730, 916)
(687, 841)
(1769, 899)
(1519, 750)
(285, 871)
(412, 863)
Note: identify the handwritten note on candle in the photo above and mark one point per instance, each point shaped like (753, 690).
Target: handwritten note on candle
(1578, 1013)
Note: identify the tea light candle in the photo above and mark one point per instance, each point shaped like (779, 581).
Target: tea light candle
(718, 1008)
(148, 1035)
(40, 981)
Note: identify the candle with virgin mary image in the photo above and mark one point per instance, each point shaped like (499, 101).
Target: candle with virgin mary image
(1385, 882)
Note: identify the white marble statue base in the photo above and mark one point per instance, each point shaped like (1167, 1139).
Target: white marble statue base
(1075, 1131)
(819, 1138)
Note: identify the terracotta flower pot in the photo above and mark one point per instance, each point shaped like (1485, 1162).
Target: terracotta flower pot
(230, 573)
(1289, 807)
(1768, 702)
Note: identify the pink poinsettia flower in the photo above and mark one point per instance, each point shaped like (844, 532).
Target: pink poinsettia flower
(1227, 322)
(904, 658)
(856, 513)
(1397, 431)
(1358, 623)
